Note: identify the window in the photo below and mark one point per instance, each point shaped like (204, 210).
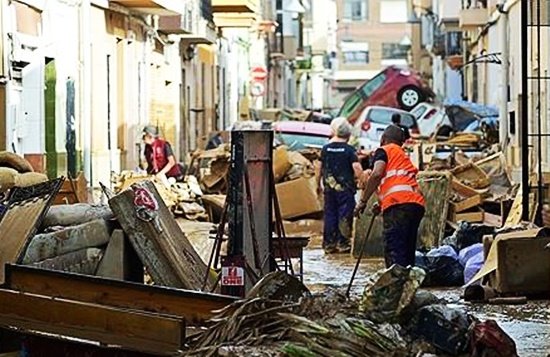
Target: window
(354, 101)
(355, 52)
(355, 10)
(356, 57)
(383, 116)
(392, 51)
(393, 11)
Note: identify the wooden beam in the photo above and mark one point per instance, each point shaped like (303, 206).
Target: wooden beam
(132, 330)
(158, 240)
(191, 305)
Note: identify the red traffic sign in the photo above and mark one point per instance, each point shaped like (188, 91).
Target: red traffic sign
(258, 73)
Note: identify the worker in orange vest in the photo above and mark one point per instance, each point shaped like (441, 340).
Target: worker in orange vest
(393, 177)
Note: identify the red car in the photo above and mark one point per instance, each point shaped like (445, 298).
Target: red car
(393, 87)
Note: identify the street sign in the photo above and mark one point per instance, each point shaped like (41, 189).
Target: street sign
(232, 276)
(257, 88)
(258, 73)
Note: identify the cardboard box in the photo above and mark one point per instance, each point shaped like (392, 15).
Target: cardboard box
(523, 266)
(517, 263)
(298, 198)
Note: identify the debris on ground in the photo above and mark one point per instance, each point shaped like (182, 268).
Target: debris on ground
(411, 323)
(182, 198)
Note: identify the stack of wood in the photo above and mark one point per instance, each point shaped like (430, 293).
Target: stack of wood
(182, 198)
(468, 186)
(15, 171)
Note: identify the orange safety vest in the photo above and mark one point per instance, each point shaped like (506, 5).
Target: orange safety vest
(399, 184)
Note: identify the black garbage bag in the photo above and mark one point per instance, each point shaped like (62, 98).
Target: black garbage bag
(467, 234)
(443, 327)
(440, 270)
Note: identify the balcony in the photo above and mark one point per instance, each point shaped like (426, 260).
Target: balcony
(235, 6)
(473, 18)
(156, 7)
(204, 32)
(233, 19)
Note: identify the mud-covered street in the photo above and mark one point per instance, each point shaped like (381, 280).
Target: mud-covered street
(528, 325)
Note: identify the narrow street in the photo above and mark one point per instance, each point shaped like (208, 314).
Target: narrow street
(202, 177)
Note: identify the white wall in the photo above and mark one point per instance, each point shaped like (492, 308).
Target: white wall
(453, 84)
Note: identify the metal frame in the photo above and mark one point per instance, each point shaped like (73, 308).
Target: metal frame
(531, 19)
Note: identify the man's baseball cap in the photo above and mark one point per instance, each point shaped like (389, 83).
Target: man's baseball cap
(151, 130)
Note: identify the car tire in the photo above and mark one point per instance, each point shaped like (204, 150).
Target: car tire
(409, 97)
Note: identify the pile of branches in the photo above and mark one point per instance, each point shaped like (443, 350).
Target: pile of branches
(317, 326)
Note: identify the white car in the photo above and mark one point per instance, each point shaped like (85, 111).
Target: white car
(432, 120)
(368, 129)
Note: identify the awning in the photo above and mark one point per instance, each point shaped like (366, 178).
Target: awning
(157, 7)
(235, 6)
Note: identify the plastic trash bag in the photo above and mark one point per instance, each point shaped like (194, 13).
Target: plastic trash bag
(443, 251)
(473, 266)
(443, 327)
(467, 234)
(468, 252)
(389, 292)
(488, 339)
(441, 270)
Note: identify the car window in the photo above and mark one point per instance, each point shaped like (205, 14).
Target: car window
(354, 101)
(380, 116)
(372, 85)
(408, 120)
(419, 111)
(383, 116)
(300, 142)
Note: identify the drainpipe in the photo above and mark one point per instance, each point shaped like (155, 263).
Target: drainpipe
(504, 78)
(85, 88)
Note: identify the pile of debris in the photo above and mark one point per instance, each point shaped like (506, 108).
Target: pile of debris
(182, 198)
(392, 318)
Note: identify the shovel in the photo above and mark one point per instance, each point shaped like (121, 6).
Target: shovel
(363, 246)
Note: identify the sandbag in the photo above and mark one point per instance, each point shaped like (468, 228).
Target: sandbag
(465, 254)
(14, 161)
(473, 266)
(443, 327)
(8, 176)
(30, 179)
(75, 214)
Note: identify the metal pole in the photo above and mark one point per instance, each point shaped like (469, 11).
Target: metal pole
(539, 113)
(525, 109)
(504, 77)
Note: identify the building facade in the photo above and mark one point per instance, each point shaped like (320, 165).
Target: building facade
(370, 36)
(80, 79)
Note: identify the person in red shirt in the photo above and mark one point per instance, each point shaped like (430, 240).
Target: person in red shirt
(393, 178)
(159, 155)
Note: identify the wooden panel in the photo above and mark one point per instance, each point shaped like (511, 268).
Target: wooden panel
(467, 203)
(472, 217)
(158, 240)
(21, 219)
(129, 329)
(191, 305)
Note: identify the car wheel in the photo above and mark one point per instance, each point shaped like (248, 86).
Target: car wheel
(409, 97)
